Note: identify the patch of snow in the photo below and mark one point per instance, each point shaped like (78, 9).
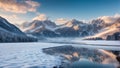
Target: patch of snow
(49, 28)
(36, 29)
(106, 32)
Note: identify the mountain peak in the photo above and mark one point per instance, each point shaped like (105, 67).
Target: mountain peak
(73, 22)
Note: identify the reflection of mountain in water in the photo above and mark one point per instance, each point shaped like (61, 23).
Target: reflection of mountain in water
(75, 56)
(88, 64)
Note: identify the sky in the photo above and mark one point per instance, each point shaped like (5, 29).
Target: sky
(19, 11)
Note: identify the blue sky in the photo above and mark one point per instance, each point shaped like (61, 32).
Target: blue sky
(68, 9)
(80, 9)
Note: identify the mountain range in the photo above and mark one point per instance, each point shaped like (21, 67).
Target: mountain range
(73, 28)
(94, 29)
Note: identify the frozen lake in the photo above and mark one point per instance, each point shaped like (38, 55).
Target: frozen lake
(30, 55)
(25, 55)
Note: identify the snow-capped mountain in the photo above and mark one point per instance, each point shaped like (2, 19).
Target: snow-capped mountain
(72, 28)
(36, 25)
(40, 28)
(73, 23)
(100, 23)
(50, 29)
(109, 32)
(10, 33)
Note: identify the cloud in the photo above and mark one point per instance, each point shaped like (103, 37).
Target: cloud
(21, 6)
(41, 17)
(110, 19)
(61, 21)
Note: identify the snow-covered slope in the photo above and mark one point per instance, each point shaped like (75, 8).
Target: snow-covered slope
(4, 24)
(10, 33)
(109, 31)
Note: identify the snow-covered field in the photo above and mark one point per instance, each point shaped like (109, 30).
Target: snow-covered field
(25, 55)
(30, 55)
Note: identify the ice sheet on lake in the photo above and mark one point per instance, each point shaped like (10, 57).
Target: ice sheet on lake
(23, 55)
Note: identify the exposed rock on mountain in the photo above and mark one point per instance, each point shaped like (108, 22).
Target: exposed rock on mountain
(115, 36)
(111, 32)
